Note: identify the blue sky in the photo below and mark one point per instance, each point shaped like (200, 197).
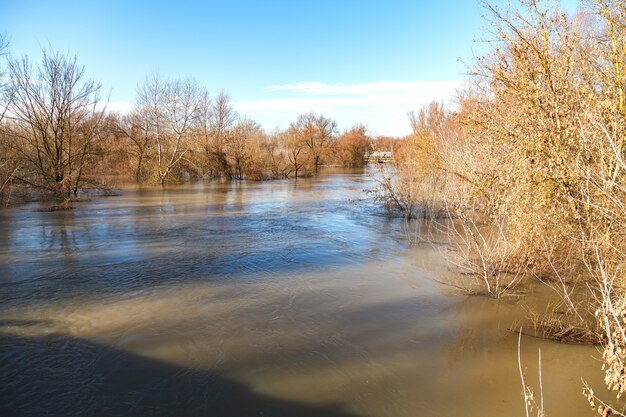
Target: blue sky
(355, 61)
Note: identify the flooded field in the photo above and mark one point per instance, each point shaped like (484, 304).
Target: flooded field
(254, 299)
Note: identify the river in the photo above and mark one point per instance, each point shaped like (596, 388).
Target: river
(275, 298)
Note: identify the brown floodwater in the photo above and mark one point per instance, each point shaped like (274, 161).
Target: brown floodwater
(254, 299)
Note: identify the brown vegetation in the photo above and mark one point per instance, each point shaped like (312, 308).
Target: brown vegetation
(531, 167)
(353, 147)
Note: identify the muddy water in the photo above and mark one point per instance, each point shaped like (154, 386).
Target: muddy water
(253, 299)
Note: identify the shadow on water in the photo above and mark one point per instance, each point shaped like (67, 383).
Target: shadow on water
(40, 376)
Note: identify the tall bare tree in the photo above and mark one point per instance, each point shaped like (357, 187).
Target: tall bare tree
(168, 109)
(8, 167)
(202, 127)
(5, 96)
(54, 118)
(222, 118)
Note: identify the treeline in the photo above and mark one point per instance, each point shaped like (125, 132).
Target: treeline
(57, 136)
(528, 174)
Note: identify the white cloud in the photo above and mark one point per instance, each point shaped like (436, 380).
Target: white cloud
(382, 105)
(122, 107)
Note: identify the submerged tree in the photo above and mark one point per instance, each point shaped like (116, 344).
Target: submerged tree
(353, 147)
(54, 117)
(295, 148)
(136, 128)
(316, 132)
(222, 118)
(165, 111)
(238, 144)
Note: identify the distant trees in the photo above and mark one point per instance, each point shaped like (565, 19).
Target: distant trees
(239, 146)
(415, 186)
(353, 147)
(57, 136)
(296, 147)
(176, 129)
(274, 155)
(316, 132)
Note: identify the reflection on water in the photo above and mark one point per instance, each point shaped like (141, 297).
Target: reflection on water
(252, 299)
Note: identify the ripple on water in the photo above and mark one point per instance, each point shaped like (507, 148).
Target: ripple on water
(270, 298)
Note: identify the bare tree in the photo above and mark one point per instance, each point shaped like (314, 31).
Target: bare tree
(182, 102)
(54, 118)
(137, 129)
(222, 118)
(149, 110)
(316, 132)
(274, 150)
(5, 92)
(353, 147)
(239, 147)
(295, 147)
(8, 166)
(167, 109)
(202, 127)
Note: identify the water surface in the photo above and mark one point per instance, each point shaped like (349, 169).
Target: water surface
(254, 299)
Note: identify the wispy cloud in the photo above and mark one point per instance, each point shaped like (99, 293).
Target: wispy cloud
(378, 87)
(381, 105)
(122, 107)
